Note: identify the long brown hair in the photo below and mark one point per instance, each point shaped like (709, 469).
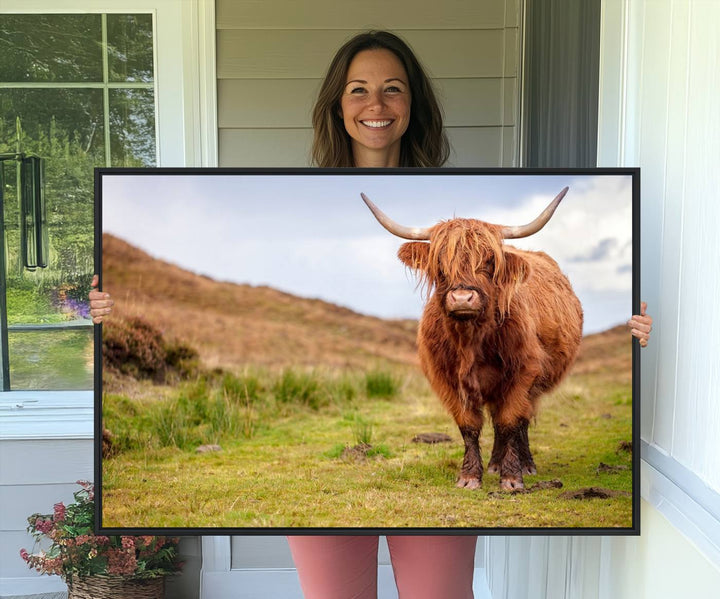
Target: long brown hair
(423, 144)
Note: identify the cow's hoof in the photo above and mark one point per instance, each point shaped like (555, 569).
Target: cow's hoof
(493, 468)
(529, 469)
(511, 483)
(468, 482)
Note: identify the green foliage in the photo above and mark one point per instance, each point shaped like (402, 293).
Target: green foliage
(344, 389)
(300, 388)
(27, 305)
(215, 406)
(383, 384)
(243, 388)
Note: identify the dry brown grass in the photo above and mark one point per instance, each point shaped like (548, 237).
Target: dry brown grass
(232, 325)
(607, 356)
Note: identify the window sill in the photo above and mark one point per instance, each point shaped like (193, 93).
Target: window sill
(46, 415)
(679, 494)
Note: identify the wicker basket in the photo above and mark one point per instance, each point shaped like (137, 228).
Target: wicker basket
(116, 587)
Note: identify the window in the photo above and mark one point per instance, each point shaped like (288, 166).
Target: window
(77, 90)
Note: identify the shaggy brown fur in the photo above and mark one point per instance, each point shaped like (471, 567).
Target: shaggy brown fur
(516, 336)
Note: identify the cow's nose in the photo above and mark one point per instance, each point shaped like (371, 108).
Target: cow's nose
(463, 296)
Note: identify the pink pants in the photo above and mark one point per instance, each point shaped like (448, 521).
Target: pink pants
(345, 567)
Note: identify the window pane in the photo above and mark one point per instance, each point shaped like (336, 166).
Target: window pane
(51, 360)
(50, 48)
(53, 122)
(132, 127)
(66, 127)
(130, 47)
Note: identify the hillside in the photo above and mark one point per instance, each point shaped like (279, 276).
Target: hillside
(232, 325)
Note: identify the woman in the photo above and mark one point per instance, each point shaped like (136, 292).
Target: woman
(377, 108)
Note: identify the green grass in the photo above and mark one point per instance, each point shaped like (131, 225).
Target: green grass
(381, 383)
(293, 470)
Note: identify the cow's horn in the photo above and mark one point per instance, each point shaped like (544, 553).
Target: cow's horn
(415, 233)
(537, 224)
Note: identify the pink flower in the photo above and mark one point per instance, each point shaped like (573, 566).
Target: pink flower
(44, 526)
(59, 509)
(128, 542)
(25, 555)
(121, 562)
(53, 565)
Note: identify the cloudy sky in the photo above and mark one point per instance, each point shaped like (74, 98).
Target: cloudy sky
(311, 234)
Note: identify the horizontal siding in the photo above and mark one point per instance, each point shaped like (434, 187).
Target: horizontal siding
(271, 58)
(330, 14)
(11, 564)
(470, 146)
(461, 100)
(264, 147)
(19, 501)
(288, 103)
(475, 146)
(307, 53)
(34, 476)
(45, 462)
(266, 103)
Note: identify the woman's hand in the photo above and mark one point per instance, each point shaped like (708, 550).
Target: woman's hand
(100, 302)
(641, 325)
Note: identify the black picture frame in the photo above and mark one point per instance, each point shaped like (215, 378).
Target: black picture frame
(383, 186)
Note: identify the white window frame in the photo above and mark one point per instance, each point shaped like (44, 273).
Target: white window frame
(186, 130)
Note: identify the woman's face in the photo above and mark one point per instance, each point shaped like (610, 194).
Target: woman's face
(375, 107)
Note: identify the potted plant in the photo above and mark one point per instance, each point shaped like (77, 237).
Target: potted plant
(96, 566)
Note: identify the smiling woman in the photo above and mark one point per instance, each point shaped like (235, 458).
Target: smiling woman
(375, 108)
(375, 78)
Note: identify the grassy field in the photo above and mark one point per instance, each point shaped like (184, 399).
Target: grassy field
(315, 408)
(292, 464)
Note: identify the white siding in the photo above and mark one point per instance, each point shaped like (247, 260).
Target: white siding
(271, 60)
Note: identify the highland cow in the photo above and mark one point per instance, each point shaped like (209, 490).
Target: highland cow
(501, 326)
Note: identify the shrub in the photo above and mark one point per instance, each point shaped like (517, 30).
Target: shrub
(136, 348)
